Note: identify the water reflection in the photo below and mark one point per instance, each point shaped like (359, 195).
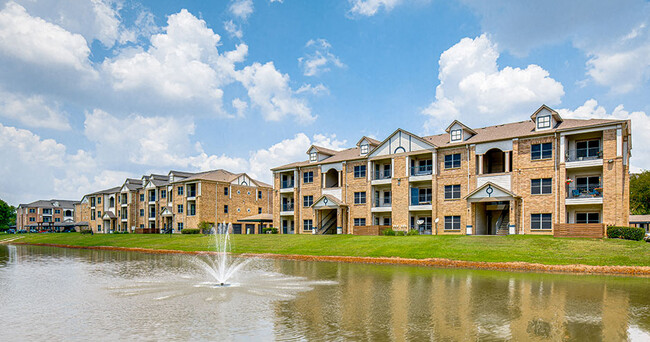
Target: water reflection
(161, 297)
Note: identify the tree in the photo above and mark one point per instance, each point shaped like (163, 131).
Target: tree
(640, 193)
(7, 215)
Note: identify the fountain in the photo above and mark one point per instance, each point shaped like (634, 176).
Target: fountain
(220, 265)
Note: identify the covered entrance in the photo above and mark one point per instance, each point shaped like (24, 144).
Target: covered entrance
(259, 221)
(109, 221)
(330, 215)
(167, 220)
(493, 210)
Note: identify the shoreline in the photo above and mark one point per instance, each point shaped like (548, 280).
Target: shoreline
(636, 271)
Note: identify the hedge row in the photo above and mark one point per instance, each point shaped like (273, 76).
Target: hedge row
(627, 233)
(190, 231)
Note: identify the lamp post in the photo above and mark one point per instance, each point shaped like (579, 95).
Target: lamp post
(436, 221)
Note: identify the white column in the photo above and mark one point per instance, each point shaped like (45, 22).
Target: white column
(339, 174)
(480, 164)
(619, 142)
(507, 160)
(562, 149)
(408, 166)
(369, 170)
(434, 163)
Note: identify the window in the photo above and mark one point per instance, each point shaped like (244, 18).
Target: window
(456, 134)
(141, 197)
(420, 196)
(452, 191)
(307, 201)
(57, 211)
(543, 121)
(587, 217)
(308, 225)
(180, 209)
(225, 209)
(589, 148)
(225, 191)
(541, 186)
(92, 214)
(99, 200)
(359, 171)
(359, 222)
(313, 156)
(141, 212)
(452, 222)
(364, 149)
(180, 226)
(32, 210)
(452, 161)
(163, 193)
(259, 210)
(99, 227)
(360, 198)
(141, 226)
(387, 199)
(99, 214)
(259, 194)
(47, 219)
(541, 151)
(191, 209)
(587, 184)
(540, 221)
(56, 219)
(33, 219)
(180, 190)
(308, 177)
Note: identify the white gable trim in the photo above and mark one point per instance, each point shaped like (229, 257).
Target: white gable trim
(401, 142)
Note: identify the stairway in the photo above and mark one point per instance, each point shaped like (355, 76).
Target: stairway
(503, 223)
(328, 224)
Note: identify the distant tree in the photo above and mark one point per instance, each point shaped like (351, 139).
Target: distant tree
(7, 215)
(640, 193)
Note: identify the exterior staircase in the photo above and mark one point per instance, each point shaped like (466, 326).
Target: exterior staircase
(328, 224)
(503, 223)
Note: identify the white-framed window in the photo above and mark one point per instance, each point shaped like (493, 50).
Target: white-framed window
(540, 221)
(360, 197)
(452, 191)
(313, 157)
(543, 122)
(541, 186)
(180, 209)
(541, 151)
(452, 222)
(308, 225)
(456, 134)
(359, 171)
(588, 217)
(452, 161)
(180, 226)
(359, 222)
(307, 201)
(364, 149)
(259, 194)
(308, 177)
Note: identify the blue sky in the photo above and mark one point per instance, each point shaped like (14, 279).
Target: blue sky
(94, 91)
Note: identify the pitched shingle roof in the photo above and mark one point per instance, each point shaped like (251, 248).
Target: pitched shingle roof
(64, 204)
(219, 175)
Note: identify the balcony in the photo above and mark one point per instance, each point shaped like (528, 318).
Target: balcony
(381, 206)
(591, 194)
(191, 194)
(421, 173)
(421, 202)
(287, 186)
(584, 157)
(287, 209)
(381, 177)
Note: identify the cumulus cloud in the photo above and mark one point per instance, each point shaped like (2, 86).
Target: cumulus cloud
(472, 85)
(319, 59)
(241, 8)
(640, 127)
(233, 29)
(32, 111)
(615, 36)
(369, 8)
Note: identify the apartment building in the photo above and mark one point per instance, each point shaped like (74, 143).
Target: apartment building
(46, 214)
(528, 177)
(159, 203)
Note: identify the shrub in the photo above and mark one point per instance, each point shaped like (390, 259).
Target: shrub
(389, 232)
(205, 227)
(119, 232)
(190, 231)
(85, 231)
(627, 233)
(412, 232)
(271, 230)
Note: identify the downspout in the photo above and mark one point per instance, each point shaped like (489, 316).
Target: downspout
(555, 180)
(469, 206)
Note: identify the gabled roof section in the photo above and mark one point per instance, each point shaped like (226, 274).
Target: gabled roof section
(399, 148)
(371, 141)
(555, 114)
(326, 201)
(491, 188)
(321, 150)
(465, 128)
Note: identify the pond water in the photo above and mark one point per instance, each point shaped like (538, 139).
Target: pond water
(66, 294)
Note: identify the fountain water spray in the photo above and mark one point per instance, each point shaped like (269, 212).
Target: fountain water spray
(220, 265)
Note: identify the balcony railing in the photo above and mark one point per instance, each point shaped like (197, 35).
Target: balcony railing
(381, 203)
(152, 214)
(287, 184)
(152, 198)
(421, 200)
(382, 175)
(584, 191)
(424, 170)
(287, 207)
(191, 193)
(584, 154)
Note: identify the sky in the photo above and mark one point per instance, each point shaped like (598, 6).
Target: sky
(92, 92)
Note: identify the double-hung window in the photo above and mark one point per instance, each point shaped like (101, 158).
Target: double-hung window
(541, 151)
(452, 191)
(452, 222)
(541, 186)
(308, 177)
(180, 208)
(308, 225)
(307, 201)
(359, 171)
(360, 197)
(587, 217)
(180, 190)
(452, 161)
(540, 221)
(359, 222)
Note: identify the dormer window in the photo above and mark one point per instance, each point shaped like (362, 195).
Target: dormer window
(456, 135)
(544, 122)
(313, 157)
(364, 149)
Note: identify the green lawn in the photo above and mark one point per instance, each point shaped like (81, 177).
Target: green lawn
(535, 249)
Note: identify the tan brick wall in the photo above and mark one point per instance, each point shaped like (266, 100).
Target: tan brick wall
(450, 177)
(352, 185)
(400, 194)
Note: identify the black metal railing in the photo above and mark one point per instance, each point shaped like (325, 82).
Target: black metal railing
(382, 203)
(421, 199)
(584, 191)
(191, 193)
(287, 184)
(584, 154)
(422, 170)
(385, 174)
(287, 207)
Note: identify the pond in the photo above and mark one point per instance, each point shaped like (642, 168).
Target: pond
(69, 294)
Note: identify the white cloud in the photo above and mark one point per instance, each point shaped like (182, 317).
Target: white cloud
(614, 35)
(314, 90)
(38, 42)
(241, 8)
(320, 59)
(640, 128)
(329, 141)
(472, 85)
(269, 91)
(32, 111)
(240, 107)
(233, 29)
(369, 8)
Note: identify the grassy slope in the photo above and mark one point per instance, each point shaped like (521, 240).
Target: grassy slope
(535, 249)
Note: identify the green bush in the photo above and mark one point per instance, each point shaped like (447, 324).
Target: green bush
(389, 232)
(627, 233)
(85, 231)
(119, 232)
(190, 231)
(271, 230)
(205, 227)
(412, 232)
